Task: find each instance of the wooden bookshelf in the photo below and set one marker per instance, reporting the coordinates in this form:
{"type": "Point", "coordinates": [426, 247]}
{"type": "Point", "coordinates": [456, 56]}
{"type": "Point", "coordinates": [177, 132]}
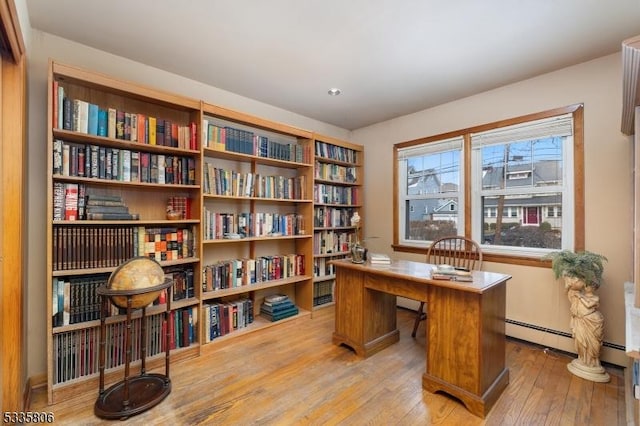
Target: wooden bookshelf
{"type": "Point", "coordinates": [99, 162]}
{"type": "Point", "coordinates": [251, 205]}
{"type": "Point", "coordinates": [257, 218]}
{"type": "Point", "coordinates": [338, 194]}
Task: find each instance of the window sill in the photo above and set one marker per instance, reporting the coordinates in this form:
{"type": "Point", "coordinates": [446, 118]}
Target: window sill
{"type": "Point", "coordinates": [535, 261]}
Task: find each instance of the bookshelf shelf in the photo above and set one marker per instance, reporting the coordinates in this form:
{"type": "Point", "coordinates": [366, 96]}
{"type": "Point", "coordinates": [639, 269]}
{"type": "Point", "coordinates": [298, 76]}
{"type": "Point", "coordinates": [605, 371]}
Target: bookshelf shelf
{"type": "Point", "coordinates": [336, 182]}
{"type": "Point", "coordinates": [334, 254]}
{"type": "Point", "coordinates": [257, 199]}
{"type": "Point", "coordinates": [208, 295]}
{"type": "Point", "coordinates": [94, 271]}
{"type": "Point", "coordinates": [335, 228]}
{"type": "Point", "coordinates": [84, 138]}
{"type": "Point", "coordinates": [338, 176]}
{"type": "Point", "coordinates": [330, 277]}
{"type": "Point", "coordinates": [226, 155]}
{"type": "Point", "coordinates": [126, 222]}
{"type": "Point", "coordinates": [257, 325]}
{"type": "Point", "coordinates": [355, 205]}
{"type": "Point", "coordinates": [254, 239]}
{"type": "Point", "coordinates": [115, 183]}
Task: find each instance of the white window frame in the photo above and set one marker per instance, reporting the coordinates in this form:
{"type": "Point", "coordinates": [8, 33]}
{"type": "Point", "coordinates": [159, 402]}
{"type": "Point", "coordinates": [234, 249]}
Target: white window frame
{"type": "Point", "coordinates": [531, 130]}
{"type": "Point", "coordinates": [436, 147]}
{"type": "Point", "coordinates": [572, 217]}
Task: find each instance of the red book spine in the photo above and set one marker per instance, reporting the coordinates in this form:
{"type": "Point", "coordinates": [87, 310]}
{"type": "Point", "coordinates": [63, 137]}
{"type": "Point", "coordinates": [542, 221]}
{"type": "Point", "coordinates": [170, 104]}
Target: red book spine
{"type": "Point", "coordinates": [193, 133]}
{"type": "Point", "coordinates": [172, 330]}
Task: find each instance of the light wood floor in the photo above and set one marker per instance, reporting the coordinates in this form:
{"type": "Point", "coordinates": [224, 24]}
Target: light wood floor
{"type": "Point", "coordinates": [293, 375]}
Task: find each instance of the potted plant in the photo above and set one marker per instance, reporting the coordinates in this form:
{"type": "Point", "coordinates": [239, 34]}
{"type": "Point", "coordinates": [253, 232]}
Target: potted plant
{"type": "Point", "coordinates": [582, 275]}
{"type": "Point", "coordinates": [584, 265]}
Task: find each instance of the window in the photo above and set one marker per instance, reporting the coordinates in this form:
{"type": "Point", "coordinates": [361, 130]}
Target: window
{"type": "Point", "coordinates": [430, 191]}
{"type": "Point", "coordinates": [520, 180]}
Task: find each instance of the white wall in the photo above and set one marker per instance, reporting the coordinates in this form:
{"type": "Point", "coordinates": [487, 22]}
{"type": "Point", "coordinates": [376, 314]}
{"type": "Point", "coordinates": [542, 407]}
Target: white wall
{"type": "Point", "coordinates": [533, 296]}
{"type": "Point", "coordinates": [44, 46]}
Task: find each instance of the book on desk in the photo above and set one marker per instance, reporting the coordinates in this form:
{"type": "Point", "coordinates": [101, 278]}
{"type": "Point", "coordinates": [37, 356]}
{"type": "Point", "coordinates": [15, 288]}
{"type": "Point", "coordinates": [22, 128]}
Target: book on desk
{"type": "Point", "coordinates": [379, 259]}
{"type": "Point", "coordinates": [450, 273]}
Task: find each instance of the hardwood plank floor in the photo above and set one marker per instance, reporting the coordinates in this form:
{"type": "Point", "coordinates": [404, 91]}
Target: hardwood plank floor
{"type": "Point", "coordinates": [293, 375]}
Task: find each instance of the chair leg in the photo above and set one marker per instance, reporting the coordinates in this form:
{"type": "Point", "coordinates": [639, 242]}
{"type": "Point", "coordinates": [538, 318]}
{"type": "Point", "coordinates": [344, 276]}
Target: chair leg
{"type": "Point", "coordinates": [419, 317]}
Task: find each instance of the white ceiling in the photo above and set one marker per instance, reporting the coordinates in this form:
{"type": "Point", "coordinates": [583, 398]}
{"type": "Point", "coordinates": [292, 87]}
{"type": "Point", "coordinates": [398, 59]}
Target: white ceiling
{"type": "Point", "coordinates": [389, 57]}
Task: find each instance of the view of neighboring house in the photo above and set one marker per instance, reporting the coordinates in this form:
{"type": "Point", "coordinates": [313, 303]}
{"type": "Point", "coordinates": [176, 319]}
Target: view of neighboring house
{"type": "Point", "coordinates": [522, 209]}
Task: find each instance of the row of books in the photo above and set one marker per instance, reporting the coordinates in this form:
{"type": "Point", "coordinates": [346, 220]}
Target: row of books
{"type": "Point", "coordinates": [234, 273]}
{"type": "Point", "coordinates": [331, 194]}
{"type": "Point", "coordinates": [277, 307]}
{"type": "Point", "coordinates": [85, 117]}
{"type": "Point", "coordinates": [77, 352]}
{"type": "Point", "coordinates": [335, 172]}
{"type": "Point", "coordinates": [332, 217]}
{"type": "Point", "coordinates": [227, 138]}
{"type": "Point", "coordinates": [69, 201]}
{"type": "Point", "coordinates": [75, 299]}
{"type": "Point", "coordinates": [322, 293]}
{"type": "Point", "coordinates": [333, 152]}
{"type": "Point", "coordinates": [322, 267]}
{"type": "Point", "coordinates": [246, 224]}
{"type": "Point", "coordinates": [222, 318]}
{"type": "Point", "coordinates": [79, 247]}
{"type": "Point", "coordinates": [183, 284]}
{"type": "Point", "coordinates": [231, 183]}
{"type": "Point", "coordinates": [330, 241]}
{"type": "Point", "coordinates": [124, 165]}
{"type": "Point", "coordinates": [183, 328]}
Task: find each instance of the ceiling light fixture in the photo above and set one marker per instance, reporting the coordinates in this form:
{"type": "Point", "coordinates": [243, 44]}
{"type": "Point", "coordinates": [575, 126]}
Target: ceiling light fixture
{"type": "Point", "coordinates": [334, 91]}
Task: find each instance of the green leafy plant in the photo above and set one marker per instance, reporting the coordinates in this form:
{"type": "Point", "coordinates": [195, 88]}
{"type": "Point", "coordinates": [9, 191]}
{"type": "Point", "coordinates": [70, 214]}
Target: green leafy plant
{"type": "Point", "coordinates": [584, 265]}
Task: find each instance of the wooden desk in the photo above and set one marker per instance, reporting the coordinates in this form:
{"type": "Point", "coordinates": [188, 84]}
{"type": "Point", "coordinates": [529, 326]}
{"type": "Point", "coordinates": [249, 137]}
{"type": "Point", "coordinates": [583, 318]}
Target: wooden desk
{"type": "Point", "coordinates": [465, 350]}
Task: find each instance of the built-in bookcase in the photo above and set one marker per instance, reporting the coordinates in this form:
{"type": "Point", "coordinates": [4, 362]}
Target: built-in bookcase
{"type": "Point", "coordinates": [257, 220]}
{"type": "Point", "coordinates": [337, 195]}
{"type": "Point", "coordinates": [232, 206]}
{"type": "Point", "coordinates": [119, 156]}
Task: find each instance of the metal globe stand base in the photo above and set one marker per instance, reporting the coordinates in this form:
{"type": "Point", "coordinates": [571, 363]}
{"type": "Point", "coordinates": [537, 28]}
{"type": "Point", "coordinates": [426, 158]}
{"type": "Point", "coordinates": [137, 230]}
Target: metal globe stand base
{"type": "Point", "coordinates": [145, 392]}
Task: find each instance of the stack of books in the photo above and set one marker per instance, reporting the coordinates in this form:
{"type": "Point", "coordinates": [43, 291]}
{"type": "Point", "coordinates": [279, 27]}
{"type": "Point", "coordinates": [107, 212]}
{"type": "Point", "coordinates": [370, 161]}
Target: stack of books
{"type": "Point", "coordinates": [448, 272]}
{"type": "Point", "coordinates": [278, 306]}
{"type": "Point", "coordinates": [107, 207]}
{"type": "Point", "coordinates": [379, 259]}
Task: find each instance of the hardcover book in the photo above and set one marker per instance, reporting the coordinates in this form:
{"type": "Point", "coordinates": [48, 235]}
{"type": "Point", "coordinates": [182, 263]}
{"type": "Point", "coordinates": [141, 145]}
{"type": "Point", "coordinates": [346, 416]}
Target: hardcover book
{"type": "Point", "coordinates": [448, 272]}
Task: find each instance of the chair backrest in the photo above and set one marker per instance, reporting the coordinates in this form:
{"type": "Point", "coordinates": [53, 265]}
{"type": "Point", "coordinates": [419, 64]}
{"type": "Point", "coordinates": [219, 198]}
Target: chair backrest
{"type": "Point", "coordinates": [457, 251]}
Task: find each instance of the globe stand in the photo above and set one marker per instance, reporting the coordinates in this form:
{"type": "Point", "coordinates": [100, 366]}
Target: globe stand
{"type": "Point", "coordinates": [133, 395]}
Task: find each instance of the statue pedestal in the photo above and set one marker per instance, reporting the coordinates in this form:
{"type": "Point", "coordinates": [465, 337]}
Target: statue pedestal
{"type": "Point", "coordinates": [595, 374]}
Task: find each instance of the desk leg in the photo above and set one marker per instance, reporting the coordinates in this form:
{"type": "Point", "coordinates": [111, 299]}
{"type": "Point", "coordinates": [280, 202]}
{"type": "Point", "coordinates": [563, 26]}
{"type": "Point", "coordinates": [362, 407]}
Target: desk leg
{"type": "Point", "coordinates": [466, 351]}
{"type": "Point", "coordinates": [365, 319]}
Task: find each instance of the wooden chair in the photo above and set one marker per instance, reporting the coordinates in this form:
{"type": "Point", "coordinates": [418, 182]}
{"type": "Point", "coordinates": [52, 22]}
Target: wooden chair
{"type": "Point", "coordinates": [457, 251]}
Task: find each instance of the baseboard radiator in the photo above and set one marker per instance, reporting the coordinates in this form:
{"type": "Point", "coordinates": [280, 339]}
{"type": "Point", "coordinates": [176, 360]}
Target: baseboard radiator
{"type": "Point", "coordinates": [559, 333]}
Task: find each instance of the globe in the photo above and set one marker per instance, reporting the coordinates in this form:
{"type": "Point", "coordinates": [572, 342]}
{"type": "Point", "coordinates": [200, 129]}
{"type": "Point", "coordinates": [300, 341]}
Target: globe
{"type": "Point", "coordinates": [137, 273]}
